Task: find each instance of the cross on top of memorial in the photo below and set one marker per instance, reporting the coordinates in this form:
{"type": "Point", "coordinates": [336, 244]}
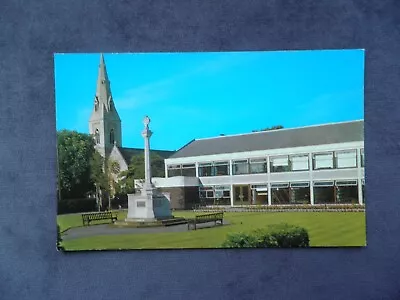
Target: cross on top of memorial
{"type": "Point", "coordinates": [146, 121]}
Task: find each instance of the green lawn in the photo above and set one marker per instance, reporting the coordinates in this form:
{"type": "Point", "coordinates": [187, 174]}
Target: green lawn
{"type": "Point", "coordinates": [325, 229]}
{"type": "Point", "coordinates": [75, 220]}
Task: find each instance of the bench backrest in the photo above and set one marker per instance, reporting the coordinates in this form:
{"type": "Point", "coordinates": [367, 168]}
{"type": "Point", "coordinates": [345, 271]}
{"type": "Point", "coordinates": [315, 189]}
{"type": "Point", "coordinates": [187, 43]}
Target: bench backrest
{"type": "Point", "coordinates": [98, 215]}
{"type": "Point", "coordinates": [211, 216]}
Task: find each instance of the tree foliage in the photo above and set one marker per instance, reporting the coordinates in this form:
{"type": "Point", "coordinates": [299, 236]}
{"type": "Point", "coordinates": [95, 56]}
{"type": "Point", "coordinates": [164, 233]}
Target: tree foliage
{"type": "Point", "coordinates": [97, 171]}
{"type": "Point", "coordinates": [75, 151]}
{"type": "Point", "coordinates": [136, 170]}
{"type": "Point", "coordinates": [269, 128]}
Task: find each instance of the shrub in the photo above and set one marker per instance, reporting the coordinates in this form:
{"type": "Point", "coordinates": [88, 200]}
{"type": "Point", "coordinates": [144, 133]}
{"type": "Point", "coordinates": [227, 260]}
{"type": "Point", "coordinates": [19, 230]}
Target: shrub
{"type": "Point", "coordinates": [287, 236]}
{"type": "Point", "coordinates": [240, 240]}
{"type": "Point", "coordinates": [273, 236]}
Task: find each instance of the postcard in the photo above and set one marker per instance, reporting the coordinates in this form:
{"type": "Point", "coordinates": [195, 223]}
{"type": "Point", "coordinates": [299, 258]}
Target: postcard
{"type": "Point", "coordinates": [261, 149]}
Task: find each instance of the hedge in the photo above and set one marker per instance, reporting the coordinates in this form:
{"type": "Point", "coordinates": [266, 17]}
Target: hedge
{"type": "Point", "coordinates": [69, 206]}
{"type": "Point", "coordinates": [273, 236]}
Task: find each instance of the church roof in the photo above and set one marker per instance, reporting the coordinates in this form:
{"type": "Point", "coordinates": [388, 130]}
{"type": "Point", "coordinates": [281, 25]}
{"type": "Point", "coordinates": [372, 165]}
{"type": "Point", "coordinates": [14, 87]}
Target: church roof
{"type": "Point", "coordinates": [275, 139]}
{"type": "Point", "coordinates": [127, 153]}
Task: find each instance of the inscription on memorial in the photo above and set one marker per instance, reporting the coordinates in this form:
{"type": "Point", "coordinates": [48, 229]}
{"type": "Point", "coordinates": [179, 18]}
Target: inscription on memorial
{"type": "Point", "coordinates": [141, 204]}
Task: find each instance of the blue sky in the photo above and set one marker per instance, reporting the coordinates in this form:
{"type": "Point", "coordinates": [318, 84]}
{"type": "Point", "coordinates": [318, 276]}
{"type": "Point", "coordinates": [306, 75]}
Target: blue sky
{"type": "Point", "coordinates": [199, 95]}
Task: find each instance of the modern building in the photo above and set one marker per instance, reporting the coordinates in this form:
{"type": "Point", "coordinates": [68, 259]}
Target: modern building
{"type": "Point", "coordinates": [321, 164]}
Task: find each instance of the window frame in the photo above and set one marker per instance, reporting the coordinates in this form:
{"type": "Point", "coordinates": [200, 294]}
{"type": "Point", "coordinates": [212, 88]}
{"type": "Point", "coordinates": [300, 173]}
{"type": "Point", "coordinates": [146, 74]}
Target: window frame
{"type": "Point", "coordinates": [345, 151]}
{"type": "Point", "coordinates": [258, 161]}
{"type": "Point", "coordinates": [323, 153]}
{"type": "Point", "coordinates": [271, 166]}
{"type": "Point", "coordinates": [299, 155]}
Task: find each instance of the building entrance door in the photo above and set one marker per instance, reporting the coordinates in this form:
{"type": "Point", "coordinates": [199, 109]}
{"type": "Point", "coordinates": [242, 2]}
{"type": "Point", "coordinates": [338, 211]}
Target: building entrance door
{"type": "Point", "coordinates": [242, 194]}
{"type": "Point", "coordinates": [259, 194]}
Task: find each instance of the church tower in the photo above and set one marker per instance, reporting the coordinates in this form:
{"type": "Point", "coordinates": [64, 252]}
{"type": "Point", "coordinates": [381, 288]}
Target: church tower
{"type": "Point", "coordinates": [104, 123]}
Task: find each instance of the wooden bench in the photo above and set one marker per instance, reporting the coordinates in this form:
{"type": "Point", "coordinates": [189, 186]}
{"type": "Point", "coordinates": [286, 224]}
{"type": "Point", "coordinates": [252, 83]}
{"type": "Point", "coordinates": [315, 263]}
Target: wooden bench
{"type": "Point", "coordinates": [212, 217]}
{"type": "Point", "coordinates": [88, 217]}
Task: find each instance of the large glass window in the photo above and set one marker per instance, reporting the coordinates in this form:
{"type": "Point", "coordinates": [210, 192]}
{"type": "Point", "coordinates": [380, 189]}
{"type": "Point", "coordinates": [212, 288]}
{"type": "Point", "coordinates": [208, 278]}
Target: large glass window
{"type": "Point", "coordinates": [214, 195]}
{"type": "Point", "coordinates": [189, 170]}
{"type": "Point", "coordinates": [258, 165]}
{"type": "Point", "coordinates": [362, 158]}
{"type": "Point", "coordinates": [299, 162]}
{"type": "Point", "coordinates": [324, 192]}
{"type": "Point", "coordinates": [205, 169]}
{"type": "Point", "coordinates": [214, 169]}
{"type": "Point", "coordinates": [300, 193]}
{"type": "Point", "coordinates": [222, 195]}
{"type": "Point", "coordinates": [221, 168]}
{"type": "Point", "coordinates": [240, 167]}
{"type": "Point", "coordinates": [279, 164]}
{"type": "Point", "coordinates": [346, 159]}
{"type": "Point", "coordinates": [280, 193]}
{"type": "Point", "coordinates": [174, 170]}
{"type": "Point", "coordinates": [346, 191]}
{"type": "Point", "coordinates": [323, 161]}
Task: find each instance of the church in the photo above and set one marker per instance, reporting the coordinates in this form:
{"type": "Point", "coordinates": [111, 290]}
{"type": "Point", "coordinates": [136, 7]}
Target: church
{"type": "Point", "coordinates": [105, 124]}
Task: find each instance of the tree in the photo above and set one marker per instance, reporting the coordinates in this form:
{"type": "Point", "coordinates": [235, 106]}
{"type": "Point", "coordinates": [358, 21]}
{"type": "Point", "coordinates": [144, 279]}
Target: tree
{"type": "Point", "coordinates": [112, 171]}
{"type": "Point", "coordinates": [136, 171]}
{"type": "Point", "coordinates": [99, 177]}
{"type": "Point", "coordinates": [269, 128]}
{"type": "Point", "coordinates": [157, 165]}
{"type": "Point", "coordinates": [75, 151]}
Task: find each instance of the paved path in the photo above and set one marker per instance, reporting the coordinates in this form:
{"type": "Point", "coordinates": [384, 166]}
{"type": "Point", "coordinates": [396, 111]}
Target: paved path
{"type": "Point", "coordinates": [108, 229]}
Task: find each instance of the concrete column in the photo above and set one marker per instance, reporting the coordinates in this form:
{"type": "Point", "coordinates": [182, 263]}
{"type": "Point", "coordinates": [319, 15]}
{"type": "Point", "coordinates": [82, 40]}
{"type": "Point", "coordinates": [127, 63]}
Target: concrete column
{"type": "Point", "coordinates": [232, 194]}
{"type": "Point", "coordinates": [230, 167]}
{"type": "Point", "coordinates": [269, 182]}
{"type": "Point", "coordinates": [146, 134]}
{"type": "Point", "coordinates": [359, 177]}
{"type": "Point", "coordinates": [310, 177]}
{"type": "Point", "coordinates": [311, 193]}
{"type": "Point", "coordinates": [269, 194]}
{"type": "Point", "coordinates": [197, 169]}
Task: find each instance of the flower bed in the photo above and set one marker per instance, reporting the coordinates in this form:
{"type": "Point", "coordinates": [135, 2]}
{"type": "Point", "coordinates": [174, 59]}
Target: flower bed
{"type": "Point", "coordinates": [285, 208]}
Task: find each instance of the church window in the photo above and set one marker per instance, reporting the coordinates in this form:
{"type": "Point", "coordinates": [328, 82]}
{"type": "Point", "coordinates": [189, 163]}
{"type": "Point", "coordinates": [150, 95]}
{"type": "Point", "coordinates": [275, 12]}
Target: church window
{"type": "Point", "coordinates": [97, 136]}
{"type": "Point", "coordinates": [96, 104]}
{"type": "Point", "coordinates": [112, 136]}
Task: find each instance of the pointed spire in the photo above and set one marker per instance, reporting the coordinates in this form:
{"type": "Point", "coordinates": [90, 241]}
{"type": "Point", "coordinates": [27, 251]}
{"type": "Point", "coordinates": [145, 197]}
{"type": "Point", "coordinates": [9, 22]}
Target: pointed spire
{"type": "Point", "coordinates": [103, 91]}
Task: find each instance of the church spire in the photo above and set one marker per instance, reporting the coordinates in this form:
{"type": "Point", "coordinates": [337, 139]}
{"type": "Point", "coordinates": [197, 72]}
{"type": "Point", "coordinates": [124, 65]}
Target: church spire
{"type": "Point", "coordinates": [104, 123]}
{"type": "Point", "coordinates": [103, 90]}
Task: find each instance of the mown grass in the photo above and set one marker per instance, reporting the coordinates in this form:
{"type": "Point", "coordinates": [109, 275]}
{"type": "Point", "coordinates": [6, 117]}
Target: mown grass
{"type": "Point", "coordinates": [75, 220]}
{"type": "Point", "coordinates": [326, 229]}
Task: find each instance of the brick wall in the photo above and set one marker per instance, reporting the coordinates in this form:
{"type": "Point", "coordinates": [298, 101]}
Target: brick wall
{"type": "Point", "coordinates": [182, 197]}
